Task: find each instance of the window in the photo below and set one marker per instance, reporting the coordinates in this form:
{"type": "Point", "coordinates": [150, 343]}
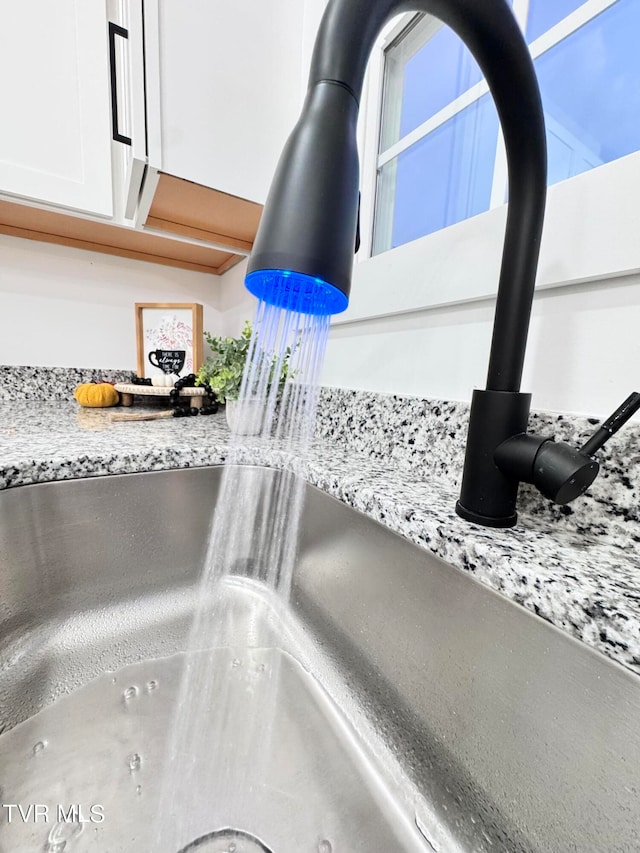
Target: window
{"type": "Point", "coordinates": [441, 157]}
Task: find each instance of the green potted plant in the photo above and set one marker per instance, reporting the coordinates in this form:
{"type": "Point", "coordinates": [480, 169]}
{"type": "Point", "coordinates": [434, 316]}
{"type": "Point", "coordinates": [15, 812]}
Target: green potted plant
{"type": "Point", "coordinates": [222, 372]}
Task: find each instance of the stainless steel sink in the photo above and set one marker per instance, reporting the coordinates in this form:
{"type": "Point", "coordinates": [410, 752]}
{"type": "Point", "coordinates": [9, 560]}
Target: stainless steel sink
{"type": "Point", "coordinates": [417, 709]}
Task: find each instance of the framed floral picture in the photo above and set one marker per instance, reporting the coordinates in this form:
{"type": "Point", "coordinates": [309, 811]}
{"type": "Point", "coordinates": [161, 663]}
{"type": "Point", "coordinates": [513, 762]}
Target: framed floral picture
{"type": "Point", "coordinates": [169, 337]}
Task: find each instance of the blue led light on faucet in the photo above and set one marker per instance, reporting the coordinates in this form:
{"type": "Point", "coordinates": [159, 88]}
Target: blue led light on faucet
{"type": "Point", "coordinates": [296, 291]}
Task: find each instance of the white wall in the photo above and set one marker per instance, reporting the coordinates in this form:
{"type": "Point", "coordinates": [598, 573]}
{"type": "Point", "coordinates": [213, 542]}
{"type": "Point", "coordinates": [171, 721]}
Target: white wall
{"type": "Point", "coordinates": [236, 303]}
{"type": "Point", "coordinates": [71, 308]}
{"type": "Point", "coordinates": [583, 354]}
{"type": "Point", "coordinates": [312, 15]}
{"type": "Point", "coordinates": [64, 307]}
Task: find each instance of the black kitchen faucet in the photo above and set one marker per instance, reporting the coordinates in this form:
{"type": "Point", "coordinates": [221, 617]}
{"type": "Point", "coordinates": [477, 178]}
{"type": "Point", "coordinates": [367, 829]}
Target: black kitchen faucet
{"type": "Point", "coordinates": [303, 253]}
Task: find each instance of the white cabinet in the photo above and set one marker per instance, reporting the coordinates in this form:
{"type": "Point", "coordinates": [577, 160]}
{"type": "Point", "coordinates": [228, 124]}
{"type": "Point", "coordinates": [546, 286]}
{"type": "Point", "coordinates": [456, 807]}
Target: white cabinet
{"type": "Point", "coordinates": [128, 104]}
{"type": "Point", "coordinates": [99, 98]}
{"type": "Point", "coordinates": [55, 145]}
{"type": "Point", "coordinates": [231, 89]}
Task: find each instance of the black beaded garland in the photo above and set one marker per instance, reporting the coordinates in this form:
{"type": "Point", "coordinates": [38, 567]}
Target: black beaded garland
{"type": "Point", "coordinates": [211, 409]}
{"type": "Point", "coordinates": [182, 409]}
{"type": "Point", "coordinates": [140, 380]}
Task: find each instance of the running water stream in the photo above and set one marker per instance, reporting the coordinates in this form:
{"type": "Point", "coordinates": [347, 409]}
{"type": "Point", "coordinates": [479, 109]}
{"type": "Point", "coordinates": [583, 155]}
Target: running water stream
{"type": "Point", "coordinates": [233, 744]}
{"type": "Point", "coordinates": [221, 741]}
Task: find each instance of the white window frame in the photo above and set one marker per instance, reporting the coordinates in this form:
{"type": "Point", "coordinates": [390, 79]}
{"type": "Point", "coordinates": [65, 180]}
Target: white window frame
{"type": "Point", "coordinates": [591, 223]}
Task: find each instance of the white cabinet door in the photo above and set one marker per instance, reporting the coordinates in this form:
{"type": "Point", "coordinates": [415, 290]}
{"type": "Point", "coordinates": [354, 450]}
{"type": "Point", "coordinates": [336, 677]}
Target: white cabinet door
{"type": "Point", "coordinates": [55, 114]}
{"type": "Point", "coordinates": [231, 89]}
{"type": "Point", "coordinates": [129, 146]}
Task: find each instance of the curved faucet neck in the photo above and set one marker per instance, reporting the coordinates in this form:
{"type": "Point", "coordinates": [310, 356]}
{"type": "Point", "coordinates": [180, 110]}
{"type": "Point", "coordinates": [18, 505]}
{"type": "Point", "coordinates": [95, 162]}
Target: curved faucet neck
{"type": "Point", "coordinates": [345, 40]}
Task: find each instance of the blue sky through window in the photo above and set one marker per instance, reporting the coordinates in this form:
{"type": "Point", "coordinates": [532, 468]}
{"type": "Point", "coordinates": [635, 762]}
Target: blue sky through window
{"type": "Point", "coordinates": [590, 85]}
{"type": "Point", "coordinates": [435, 76]}
{"type": "Point", "coordinates": [544, 14]}
{"type": "Point", "coordinates": [447, 175]}
{"type": "Point", "coordinates": [440, 71]}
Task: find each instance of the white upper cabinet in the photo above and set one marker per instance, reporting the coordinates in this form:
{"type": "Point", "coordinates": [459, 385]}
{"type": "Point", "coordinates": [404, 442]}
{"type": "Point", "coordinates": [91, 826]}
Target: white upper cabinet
{"type": "Point", "coordinates": [55, 112]}
{"type": "Point", "coordinates": [99, 97]}
{"type": "Point", "coordinates": [128, 104]}
{"type": "Point", "coordinates": [231, 89]}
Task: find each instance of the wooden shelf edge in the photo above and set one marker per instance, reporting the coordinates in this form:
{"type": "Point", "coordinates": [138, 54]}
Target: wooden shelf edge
{"type": "Point", "coordinates": [233, 260]}
{"type": "Point", "coordinates": [224, 240]}
{"type": "Point", "coordinates": [191, 227]}
{"type": "Point", "coordinates": [105, 249]}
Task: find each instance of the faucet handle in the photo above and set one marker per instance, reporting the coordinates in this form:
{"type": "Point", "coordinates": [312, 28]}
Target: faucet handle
{"type": "Point", "coordinates": [612, 424]}
{"type": "Point", "coordinates": [560, 472]}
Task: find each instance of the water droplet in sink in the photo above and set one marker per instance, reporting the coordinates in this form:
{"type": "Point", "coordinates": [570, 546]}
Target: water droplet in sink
{"type": "Point", "coordinates": [325, 846]}
{"type": "Point", "coordinates": [139, 790]}
{"type": "Point", "coordinates": [61, 834]}
{"type": "Point", "coordinates": [232, 847]}
{"type": "Point", "coordinates": [38, 747]}
{"type": "Point", "coordinates": [235, 663]}
{"type": "Point", "coordinates": [150, 686]}
{"type": "Point", "coordinates": [134, 762]}
{"type": "Point", "coordinates": [261, 667]}
{"type": "Point", "coordinates": [130, 693]}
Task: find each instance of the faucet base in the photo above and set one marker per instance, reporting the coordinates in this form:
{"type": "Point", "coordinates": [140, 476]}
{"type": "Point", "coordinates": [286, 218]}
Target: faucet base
{"type": "Point", "coordinates": [486, 520]}
{"type": "Point", "coordinates": [488, 495]}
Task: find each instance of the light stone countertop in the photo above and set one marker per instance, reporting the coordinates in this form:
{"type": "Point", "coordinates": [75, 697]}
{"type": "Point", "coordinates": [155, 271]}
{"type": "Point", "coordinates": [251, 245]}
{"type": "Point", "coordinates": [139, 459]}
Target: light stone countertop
{"type": "Point", "coordinates": [584, 583]}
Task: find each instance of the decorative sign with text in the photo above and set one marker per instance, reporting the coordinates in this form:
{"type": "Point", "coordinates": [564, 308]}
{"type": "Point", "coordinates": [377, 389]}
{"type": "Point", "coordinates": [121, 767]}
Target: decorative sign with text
{"type": "Point", "coordinates": [169, 338]}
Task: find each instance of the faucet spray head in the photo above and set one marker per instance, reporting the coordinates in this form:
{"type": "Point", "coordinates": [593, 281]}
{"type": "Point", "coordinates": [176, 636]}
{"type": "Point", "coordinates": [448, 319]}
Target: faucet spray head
{"type": "Point", "coordinates": [296, 291]}
{"type": "Point", "coordinates": [303, 253]}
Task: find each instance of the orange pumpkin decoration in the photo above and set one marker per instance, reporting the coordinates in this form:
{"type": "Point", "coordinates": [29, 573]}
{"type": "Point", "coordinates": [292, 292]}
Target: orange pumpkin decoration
{"type": "Point", "coordinates": [96, 395]}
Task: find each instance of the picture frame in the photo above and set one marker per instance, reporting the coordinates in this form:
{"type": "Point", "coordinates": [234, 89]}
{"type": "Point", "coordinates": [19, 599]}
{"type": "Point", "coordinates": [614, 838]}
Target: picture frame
{"type": "Point", "coordinates": [168, 338]}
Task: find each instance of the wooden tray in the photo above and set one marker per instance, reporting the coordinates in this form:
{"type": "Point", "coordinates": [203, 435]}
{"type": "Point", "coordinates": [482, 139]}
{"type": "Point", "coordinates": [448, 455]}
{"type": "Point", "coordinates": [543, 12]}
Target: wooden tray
{"type": "Point", "coordinates": [127, 392]}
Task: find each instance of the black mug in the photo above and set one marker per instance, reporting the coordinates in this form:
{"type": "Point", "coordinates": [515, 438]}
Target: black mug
{"type": "Point", "coordinates": [168, 360]}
